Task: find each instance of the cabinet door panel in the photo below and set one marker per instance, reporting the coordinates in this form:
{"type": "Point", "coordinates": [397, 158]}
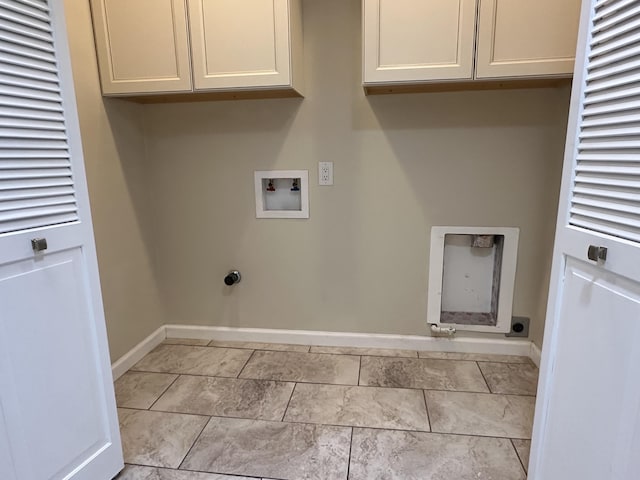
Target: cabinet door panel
{"type": "Point", "coordinates": [519, 38]}
{"type": "Point", "coordinates": [142, 45]}
{"type": "Point", "coordinates": [240, 43]}
{"type": "Point", "coordinates": [408, 41]}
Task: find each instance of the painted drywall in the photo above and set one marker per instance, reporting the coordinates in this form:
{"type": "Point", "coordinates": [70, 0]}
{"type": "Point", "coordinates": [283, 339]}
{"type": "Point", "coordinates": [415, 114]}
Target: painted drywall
{"type": "Point", "coordinates": [403, 164]}
{"type": "Point", "coordinates": [114, 152]}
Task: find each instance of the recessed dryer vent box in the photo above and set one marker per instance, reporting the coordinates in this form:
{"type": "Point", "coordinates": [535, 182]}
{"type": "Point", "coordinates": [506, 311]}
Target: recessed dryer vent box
{"type": "Point", "coordinates": [471, 278]}
{"type": "Point", "coordinates": [282, 193]}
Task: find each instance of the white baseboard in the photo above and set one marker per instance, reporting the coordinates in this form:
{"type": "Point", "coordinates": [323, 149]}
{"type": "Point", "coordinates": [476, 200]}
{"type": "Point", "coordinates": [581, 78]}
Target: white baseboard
{"type": "Point", "coordinates": [335, 339]}
{"type": "Point", "coordinates": [342, 339]}
{"type": "Point", "coordinates": [134, 355]}
{"type": "Point", "coordinates": [535, 354]}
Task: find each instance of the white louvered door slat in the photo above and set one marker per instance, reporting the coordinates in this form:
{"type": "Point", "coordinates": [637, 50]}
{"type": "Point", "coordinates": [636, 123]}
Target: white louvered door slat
{"type": "Point", "coordinates": [33, 138]}
{"type": "Point", "coordinates": [606, 8]}
{"type": "Point", "coordinates": [608, 146]}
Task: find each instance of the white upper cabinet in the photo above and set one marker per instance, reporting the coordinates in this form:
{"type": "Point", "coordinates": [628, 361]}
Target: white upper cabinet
{"type": "Point", "coordinates": [413, 42]}
{"type": "Point", "coordinates": [242, 43]}
{"type": "Point", "coordinates": [182, 46]}
{"type": "Point", "coordinates": [142, 45]}
{"type": "Point", "coordinates": [410, 41]}
{"type": "Point", "coordinates": [523, 38]}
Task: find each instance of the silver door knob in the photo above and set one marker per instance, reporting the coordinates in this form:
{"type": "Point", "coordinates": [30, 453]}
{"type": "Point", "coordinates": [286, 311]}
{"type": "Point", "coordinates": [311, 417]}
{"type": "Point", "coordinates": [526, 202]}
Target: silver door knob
{"type": "Point", "coordinates": [596, 253]}
{"type": "Point", "coordinates": [38, 244]}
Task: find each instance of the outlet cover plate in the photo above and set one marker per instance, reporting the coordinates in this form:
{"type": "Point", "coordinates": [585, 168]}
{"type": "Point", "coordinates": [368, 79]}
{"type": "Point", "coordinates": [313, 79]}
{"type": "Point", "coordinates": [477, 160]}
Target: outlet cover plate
{"type": "Point", "coordinates": [325, 173]}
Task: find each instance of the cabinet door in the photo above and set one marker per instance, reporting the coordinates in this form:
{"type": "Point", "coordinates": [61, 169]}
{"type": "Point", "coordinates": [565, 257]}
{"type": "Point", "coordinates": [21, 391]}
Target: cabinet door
{"type": "Point", "coordinates": [519, 38]}
{"type": "Point", "coordinates": [142, 46]}
{"type": "Point", "coordinates": [240, 44]}
{"type": "Point", "coordinates": [407, 41]}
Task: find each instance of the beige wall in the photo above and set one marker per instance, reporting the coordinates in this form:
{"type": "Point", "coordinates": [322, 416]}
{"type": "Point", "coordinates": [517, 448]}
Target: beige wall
{"type": "Point", "coordinates": [402, 164]}
{"type": "Point", "coordinates": [114, 153]}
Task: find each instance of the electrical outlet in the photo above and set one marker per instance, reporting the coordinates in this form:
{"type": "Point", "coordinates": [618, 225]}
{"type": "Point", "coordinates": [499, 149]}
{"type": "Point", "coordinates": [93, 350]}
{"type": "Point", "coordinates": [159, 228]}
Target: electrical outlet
{"type": "Point", "coordinates": [325, 173]}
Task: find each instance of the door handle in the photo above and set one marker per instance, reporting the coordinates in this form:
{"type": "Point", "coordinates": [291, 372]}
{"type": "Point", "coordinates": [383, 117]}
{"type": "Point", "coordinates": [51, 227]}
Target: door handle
{"type": "Point", "coordinates": [39, 244]}
{"type": "Point", "coordinates": [595, 253]}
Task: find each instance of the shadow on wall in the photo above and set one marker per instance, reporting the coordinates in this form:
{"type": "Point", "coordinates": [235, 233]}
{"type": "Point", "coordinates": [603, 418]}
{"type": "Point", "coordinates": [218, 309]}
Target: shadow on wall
{"type": "Point", "coordinates": [252, 116]}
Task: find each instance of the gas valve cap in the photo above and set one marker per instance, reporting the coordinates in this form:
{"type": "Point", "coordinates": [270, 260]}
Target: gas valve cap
{"type": "Point", "coordinates": [232, 278]}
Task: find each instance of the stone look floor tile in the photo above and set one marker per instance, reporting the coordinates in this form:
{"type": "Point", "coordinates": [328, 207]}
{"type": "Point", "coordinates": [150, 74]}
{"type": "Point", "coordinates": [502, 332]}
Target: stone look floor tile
{"type": "Point", "coordinates": [223, 362]}
{"type": "Point", "coordinates": [510, 378]}
{"type": "Point", "coordinates": [271, 449]}
{"type": "Point", "coordinates": [476, 357]}
{"type": "Point", "coordinates": [140, 390]}
{"type": "Point", "coordinates": [157, 439]}
{"type": "Point", "coordinates": [303, 367]}
{"type": "Point", "coordinates": [422, 373]}
{"type": "Point", "coordinates": [481, 414]}
{"type": "Point", "coordinates": [277, 347]}
{"type": "Point", "coordinates": [196, 342]}
{"type": "Point", "coordinates": [376, 352]}
{"type": "Point", "coordinates": [227, 397]}
{"type": "Point", "coordinates": [136, 472]}
{"type": "Point", "coordinates": [523, 448]}
{"type": "Point", "coordinates": [386, 454]}
{"type": "Point", "coordinates": [358, 406]}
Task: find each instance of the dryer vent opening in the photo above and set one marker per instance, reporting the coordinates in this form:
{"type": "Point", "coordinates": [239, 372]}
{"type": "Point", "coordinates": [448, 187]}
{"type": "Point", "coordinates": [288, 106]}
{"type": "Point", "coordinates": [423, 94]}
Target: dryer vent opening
{"type": "Point", "coordinates": [471, 279]}
{"type": "Point", "coordinates": [472, 272]}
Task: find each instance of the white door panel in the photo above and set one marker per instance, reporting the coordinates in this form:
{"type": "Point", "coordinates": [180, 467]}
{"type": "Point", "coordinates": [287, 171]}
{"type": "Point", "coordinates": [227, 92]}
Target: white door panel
{"type": "Point", "coordinates": [52, 386]}
{"type": "Point", "coordinates": [591, 414]}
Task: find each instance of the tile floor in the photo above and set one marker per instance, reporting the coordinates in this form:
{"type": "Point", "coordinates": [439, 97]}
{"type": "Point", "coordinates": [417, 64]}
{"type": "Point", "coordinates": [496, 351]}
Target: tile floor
{"type": "Point", "coordinates": [198, 410]}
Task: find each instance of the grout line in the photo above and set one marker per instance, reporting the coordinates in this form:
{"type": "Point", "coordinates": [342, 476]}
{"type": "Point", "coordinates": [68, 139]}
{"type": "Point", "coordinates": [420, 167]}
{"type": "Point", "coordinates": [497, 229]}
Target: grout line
{"type": "Point", "coordinates": [245, 364]}
{"type": "Point", "coordinates": [339, 384]}
{"type": "Point", "coordinates": [289, 402]}
{"type": "Point", "coordinates": [195, 441]}
{"type": "Point", "coordinates": [484, 378]}
{"type": "Point", "coordinates": [164, 391]}
{"type": "Point", "coordinates": [518, 455]}
{"type": "Point", "coordinates": [349, 459]}
{"type": "Point", "coordinates": [293, 422]}
{"type": "Point", "coordinates": [309, 347]}
{"type": "Point", "coordinates": [232, 475]}
{"type": "Point", "coordinates": [238, 347]}
{"type": "Point", "coordinates": [173, 413]}
{"type": "Point", "coordinates": [426, 406]}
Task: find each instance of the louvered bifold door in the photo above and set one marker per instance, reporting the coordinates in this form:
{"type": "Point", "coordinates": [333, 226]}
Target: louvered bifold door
{"type": "Point", "coordinates": [606, 190]}
{"type": "Point", "coordinates": [36, 184]}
